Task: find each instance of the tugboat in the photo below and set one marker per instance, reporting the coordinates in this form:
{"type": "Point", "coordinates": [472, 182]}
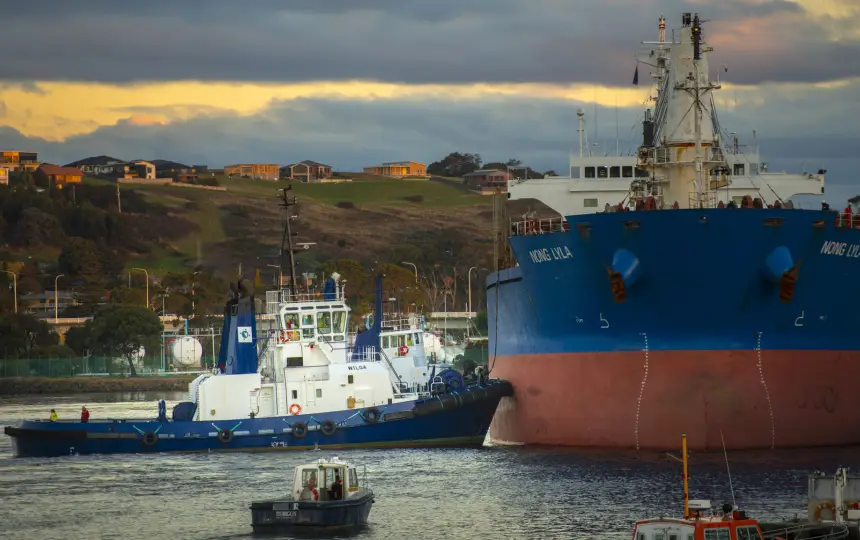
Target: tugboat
{"type": "Point", "coordinates": [326, 495]}
{"type": "Point", "coordinates": [696, 524]}
{"type": "Point", "coordinates": [312, 390]}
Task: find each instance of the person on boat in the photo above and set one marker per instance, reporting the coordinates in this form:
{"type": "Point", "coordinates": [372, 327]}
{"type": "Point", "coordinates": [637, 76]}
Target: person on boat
{"type": "Point", "coordinates": [54, 416]}
{"type": "Point", "coordinates": [85, 415]}
{"type": "Point", "coordinates": [310, 493]}
{"type": "Point", "coordinates": [337, 487]}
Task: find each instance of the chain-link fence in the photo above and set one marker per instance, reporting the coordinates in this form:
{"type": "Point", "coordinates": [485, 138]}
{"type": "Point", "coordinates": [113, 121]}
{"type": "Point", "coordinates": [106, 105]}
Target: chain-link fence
{"type": "Point", "coordinates": [96, 366]}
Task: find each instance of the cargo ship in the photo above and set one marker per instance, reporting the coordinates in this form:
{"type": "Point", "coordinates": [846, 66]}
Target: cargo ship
{"type": "Point", "coordinates": [679, 290]}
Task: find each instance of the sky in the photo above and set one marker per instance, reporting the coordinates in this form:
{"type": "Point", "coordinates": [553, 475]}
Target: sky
{"type": "Point", "coordinates": [354, 82]}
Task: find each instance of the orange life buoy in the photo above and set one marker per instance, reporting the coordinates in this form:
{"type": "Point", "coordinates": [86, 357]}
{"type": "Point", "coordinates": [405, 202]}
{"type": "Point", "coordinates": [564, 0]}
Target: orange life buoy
{"type": "Point", "coordinates": [295, 409]}
{"type": "Point", "coordinates": [825, 506]}
{"type": "Point", "coordinates": [403, 350]}
{"type": "Point", "coordinates": [285, 336]}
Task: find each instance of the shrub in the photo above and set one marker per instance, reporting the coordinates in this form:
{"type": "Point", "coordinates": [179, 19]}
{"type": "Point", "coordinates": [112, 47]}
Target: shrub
{"type": "Point", "coordinates": [414, 198]}
{"type": "Point", "coordinates": [346, 205]}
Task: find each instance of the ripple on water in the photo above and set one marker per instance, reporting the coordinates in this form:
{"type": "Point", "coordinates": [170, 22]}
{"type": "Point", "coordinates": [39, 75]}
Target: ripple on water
{"type": "Point", "coordinates": [499, 493]}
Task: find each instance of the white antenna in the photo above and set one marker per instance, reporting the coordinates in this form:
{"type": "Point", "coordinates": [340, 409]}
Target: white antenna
{"type": "Point", "coordinates": [617, 151]}
{"type": "Point", "coordinates": [728, 471]}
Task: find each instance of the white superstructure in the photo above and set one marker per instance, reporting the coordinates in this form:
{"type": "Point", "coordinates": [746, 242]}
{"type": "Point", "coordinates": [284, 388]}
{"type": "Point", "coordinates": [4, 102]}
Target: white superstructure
{"type": "Point", "coordinates": [686, 157]}
{"type": "Point", "coordinates": [309, 368]}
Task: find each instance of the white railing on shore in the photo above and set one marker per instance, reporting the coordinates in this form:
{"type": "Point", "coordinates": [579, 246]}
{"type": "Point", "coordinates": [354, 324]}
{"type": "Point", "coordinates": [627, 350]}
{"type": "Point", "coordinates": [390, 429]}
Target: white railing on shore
{"type": "Point", "coordinates": [529, 227]}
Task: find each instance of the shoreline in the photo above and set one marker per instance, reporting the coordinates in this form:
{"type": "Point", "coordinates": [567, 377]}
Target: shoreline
{"type": "Point", "coordinates": [19, 386]}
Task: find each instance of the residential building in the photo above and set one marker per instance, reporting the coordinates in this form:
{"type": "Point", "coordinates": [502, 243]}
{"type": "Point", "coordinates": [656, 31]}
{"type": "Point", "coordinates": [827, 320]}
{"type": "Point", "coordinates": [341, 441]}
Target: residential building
{"type": "Point", "coordinates": [487, 180]}
{"type": "Point", "coordinates": [306, 171]}
{"type": "Point", "coordinates": [53, 175]}
{"type": "Point", "coordinates": [398, 169]}
{"type": "Point", "coordinates": [4, 176]}
{"type": "Point", "coordinates": [257, 171]}
{"type": "Point", "coordinates": [17, 160]}
{"type": "Point", "coordinates": [42, 304]}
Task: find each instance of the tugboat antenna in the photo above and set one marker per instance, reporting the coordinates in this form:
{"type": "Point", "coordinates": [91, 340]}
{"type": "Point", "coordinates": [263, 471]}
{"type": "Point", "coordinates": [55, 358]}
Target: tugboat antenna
{"type": "Point", "coordinates": [728, 471]}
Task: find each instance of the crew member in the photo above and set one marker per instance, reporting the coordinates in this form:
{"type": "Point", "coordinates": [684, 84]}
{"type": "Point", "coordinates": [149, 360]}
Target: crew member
{"type": "Point", "coordinates": [337, 487]}
{"type": "Point", "coordinates": [54, 416]}
{"type": "Point", "coordinates": [85, 415]}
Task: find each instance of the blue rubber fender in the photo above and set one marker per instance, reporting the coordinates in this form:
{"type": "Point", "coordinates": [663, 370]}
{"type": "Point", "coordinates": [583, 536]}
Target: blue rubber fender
{"type": "Point", "coordinates": [777, 263]}
{"type": "Point", "coordinates": [628, 267]}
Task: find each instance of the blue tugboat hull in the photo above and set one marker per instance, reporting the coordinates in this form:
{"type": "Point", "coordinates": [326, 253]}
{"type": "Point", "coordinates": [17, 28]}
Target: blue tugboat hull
{"type": "Point", "coordinates": [290, 515]}
{"type": "Point", "coordinates": [455, 419]}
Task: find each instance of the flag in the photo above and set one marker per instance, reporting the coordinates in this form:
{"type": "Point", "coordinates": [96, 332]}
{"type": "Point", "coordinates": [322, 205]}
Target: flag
{"type": "Point", "coordinates": [636, 75]}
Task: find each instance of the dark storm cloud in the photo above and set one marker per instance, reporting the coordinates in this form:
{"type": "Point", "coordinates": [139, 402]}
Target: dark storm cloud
{"type": "Point", "coordinates": [408, 41]}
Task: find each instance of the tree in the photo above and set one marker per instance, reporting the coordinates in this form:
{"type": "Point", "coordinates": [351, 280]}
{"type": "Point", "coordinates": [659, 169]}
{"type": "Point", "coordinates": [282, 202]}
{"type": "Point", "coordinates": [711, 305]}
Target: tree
{"type": "Point", "coordinates": [81, 259]}
{"type": "Point", "coordinates": [455, 164]}
{"type": "Point", "coordinates": [21, 334]}
{"type": "Point", "coordinates": [121, 330]}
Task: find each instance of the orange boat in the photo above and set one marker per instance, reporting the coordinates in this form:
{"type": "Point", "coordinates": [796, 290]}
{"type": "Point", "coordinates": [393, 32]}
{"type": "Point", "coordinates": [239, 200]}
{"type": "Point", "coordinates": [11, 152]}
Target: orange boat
{"type": "Point", "coordinates": [699, 521]}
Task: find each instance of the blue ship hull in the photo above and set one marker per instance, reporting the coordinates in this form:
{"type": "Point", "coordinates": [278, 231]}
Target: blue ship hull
{"type": "Point", "coordinates": [734, 321]}
{"type": "Point", "coordinates": [455, 419]}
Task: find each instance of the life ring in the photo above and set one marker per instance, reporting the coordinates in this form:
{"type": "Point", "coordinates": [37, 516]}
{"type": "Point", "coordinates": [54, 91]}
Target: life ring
{"type": "Point", "coordinates": [149, 439]}
{"type": "Point", "coordinates": [825, 506]}
{"type": "Point", "coordinates": [225, 436]}
{"type": "Point", "coordinates": [285, 336]}
{"type": "Point", "coordinates": [372, 415]}
{"type": "Point", "coordinates": [328, 428]}
{"type": "Point", "coordinates": [300, 429]}
{"type": "Point", "coordinates": [403, 350]}
{"type": "Point", "coordinates": [295, 409]}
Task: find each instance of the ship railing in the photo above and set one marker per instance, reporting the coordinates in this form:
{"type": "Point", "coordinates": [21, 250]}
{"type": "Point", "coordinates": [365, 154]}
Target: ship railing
{"type": "Point", "coordinates": [274, 299]}
{"type": "Point", "coordinates": [847, 220]}
{"type": "Point", "coordinates": [810, 531]}
{"type": "Point", "coordinates": [389, 325]}
{"type": "Point", "coordinates": [531, 227]}
{"type": "Point", "coordinates": [707, 199]}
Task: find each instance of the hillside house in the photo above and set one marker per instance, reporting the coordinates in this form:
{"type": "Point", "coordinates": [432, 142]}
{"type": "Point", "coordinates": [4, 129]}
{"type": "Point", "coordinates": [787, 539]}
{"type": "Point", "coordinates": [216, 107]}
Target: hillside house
{"type": "Point", "coordinates": [257, 171]}
{"type": "Point", "coordinates": [306, 171]}
{"type": "Point", "coordinates": [16, 160]}
{"type": "Point", "coordinates": [487, 180]}
{"type": "Point", "coordinates": [4, 176]}
{"type": "Point", "coordinates": [398, 169]}
{"type": "Point", "coordinates": [53, 175]}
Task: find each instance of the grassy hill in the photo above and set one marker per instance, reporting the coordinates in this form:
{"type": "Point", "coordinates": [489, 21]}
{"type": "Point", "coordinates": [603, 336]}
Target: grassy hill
{"type": "Point", "coordinates": [371, 219]}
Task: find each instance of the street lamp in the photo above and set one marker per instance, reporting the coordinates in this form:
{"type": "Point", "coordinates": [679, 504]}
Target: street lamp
{"type": "Point", "coordinates": [147, 284]}
{"type": "Point", "coordinates": [469, 275]}
{"type": "Point", "coordinates": [56, 309]}
{"type": "Point", "coordinates": [193, 309]}
{"type": "Point", "coordinates": [14, 287]}
{"type": "Point", "coordinates": [413, 266]}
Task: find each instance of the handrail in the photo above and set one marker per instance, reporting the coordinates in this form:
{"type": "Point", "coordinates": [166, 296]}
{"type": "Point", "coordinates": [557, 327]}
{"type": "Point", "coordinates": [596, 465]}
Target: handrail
{"type": "Point", "coordinates": [530, 227]}
{"type": "Point", "coordinates": [838, 531]}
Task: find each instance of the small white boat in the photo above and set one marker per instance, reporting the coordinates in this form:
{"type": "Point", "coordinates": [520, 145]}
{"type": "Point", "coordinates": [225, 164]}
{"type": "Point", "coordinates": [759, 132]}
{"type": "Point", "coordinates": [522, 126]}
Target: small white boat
{"type": "Point", "coordinates": [325, 494]}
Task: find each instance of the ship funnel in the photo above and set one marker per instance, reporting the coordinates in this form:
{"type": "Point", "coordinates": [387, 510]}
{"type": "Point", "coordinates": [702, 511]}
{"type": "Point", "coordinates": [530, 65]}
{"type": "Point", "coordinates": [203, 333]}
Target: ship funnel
{"type": "Point", "coordinates": [238, 353]}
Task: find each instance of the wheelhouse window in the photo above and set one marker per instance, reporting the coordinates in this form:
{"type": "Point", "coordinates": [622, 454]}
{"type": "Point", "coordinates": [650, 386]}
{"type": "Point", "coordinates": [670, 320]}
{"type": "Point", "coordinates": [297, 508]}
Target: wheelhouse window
{"type": "Point", "coordinates": [615, 172]}
{"type": "Point", "coordinates": [385, 342]}
{"type": "Point", "coordinates": [291, 320]}
{"type": "Point", "coordinates": [721, 533]}
{"type": "Point", "coordinates": [353, 480]}
{"type": "Point", "coordinates": [739, 169]}
{"type": "Point", "coordinates": [307, 320]}
{"type": "Point", "coordinates": [589, 203]}
{"type": "Point", "coordinates": [574, 172]}
{"type": "Point", "coordinates": [627, 171]}
{"type": "Point", "coordinates": [748, 533]}
{"type": "Point", "coordinates": [602, 172]}
{"type": "Point", "coordinates": [590, 172]}
{"type": "Point", "coordinates": [324, 322]}
{"type": "Point", "coordinates": [641, 173]}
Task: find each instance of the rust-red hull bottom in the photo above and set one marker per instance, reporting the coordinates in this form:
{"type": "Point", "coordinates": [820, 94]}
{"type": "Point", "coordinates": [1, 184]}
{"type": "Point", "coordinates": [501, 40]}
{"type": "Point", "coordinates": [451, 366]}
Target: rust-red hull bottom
{"type": "Point", "coordinates": [756, 399]}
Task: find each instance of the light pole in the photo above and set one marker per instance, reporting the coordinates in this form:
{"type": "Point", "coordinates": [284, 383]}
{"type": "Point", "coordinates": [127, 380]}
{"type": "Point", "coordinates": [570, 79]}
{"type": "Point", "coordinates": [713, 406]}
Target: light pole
{"type": "Point", "coordinates": [56, 307]}
{"type": "Point", "coordinates": [413, 266]}
{"type": "Point", "coordinates": [145, 273]}
{"type": "Point", "coordinates": [14, 287]}
{"type": "Point", "coordinates": [193, 310]}
{"type": "Point", "coordinates": [469, 319]}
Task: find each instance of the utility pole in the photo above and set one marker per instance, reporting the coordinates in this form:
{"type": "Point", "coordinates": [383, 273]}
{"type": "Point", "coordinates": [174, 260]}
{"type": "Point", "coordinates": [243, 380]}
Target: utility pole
{"type": "Point", "coordinates": [118, 199]}
{"type": "Point", "coordinates": [287, 238]}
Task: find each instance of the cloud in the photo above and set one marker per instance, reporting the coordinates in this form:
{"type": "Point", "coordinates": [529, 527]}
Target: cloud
{"type": "Point", "coordinates": [350, 134]}
{"type": "Point", "coordinates": [410, 42]}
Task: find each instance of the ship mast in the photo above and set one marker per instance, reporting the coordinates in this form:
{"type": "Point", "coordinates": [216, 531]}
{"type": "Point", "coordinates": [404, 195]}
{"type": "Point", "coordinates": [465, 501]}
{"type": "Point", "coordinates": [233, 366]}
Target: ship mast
{"type": "Point", "coordinates": [287, 238]}
{"type": "Point", "coordinates": [697, 103]}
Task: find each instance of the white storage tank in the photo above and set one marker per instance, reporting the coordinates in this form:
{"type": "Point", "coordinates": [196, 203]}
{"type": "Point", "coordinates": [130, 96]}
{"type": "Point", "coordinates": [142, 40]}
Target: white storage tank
{"type": "Point", "coordinates": [186, 351]}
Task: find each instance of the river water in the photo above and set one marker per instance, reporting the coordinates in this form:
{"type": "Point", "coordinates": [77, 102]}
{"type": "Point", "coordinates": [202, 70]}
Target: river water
{"type": "Point", "coordinates": [493, 492]}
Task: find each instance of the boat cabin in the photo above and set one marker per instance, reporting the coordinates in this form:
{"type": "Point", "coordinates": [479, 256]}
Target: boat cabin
{"type": "Point", "coordinates": [331, 480]}
{"type": "Point", "coordinates": [728, 525]}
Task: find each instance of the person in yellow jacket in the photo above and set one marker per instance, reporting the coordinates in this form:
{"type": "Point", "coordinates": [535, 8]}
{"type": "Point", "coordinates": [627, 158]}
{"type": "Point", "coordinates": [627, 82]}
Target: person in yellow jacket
{"type": "Point", "coordinates": [54, 416]}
